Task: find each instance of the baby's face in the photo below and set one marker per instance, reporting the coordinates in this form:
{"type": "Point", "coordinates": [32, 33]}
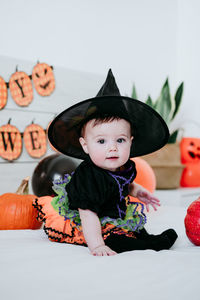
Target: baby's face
{"type": "Point", "coordinates": [108, 144]}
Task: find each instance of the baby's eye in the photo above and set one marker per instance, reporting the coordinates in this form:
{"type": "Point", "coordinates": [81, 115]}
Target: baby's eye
{"type": "Point", "coordinates": [102, 141]}
{"type": "Point", "coordinates": [120, 140]}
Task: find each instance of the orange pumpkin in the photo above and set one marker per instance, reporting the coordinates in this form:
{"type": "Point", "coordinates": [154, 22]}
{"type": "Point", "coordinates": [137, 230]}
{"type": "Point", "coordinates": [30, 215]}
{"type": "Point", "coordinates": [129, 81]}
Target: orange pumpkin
{"type": "Point", "coordinates": [35, 140]}
{"type": "Point", "coordinates": [145, 175]}
{"type": "Point", "coordinates": [43, 79]}
{"type": "Point", "coordinates": [21, 88]}
{"type": "Point", "coordinates": [17, 211]}
{"type": "Point", "coordinates": [10, 142]}
{"type": "Point", "coordinates": [3, 93]}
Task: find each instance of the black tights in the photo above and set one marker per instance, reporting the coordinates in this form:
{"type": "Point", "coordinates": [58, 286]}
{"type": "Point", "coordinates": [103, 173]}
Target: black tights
{"type": "Point", "coordinates": [143, 241]}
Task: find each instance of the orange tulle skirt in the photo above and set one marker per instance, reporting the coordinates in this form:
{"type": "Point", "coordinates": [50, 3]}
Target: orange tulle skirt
{"type": "Point", "coordinates": [59, 229]}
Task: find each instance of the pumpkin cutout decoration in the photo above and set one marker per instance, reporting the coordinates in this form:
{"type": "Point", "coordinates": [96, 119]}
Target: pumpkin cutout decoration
{"type": "Point", "coordinates": [192, 222]}
{"type": "Point", "coordinates": [21, 88]}
{"type": "Point", "coordinates": [35, 140]}
{"type": "Point", "coordinates": [145, 175]}
{"type": "Point", "coordinates": [43, 79]}
{"type": "Point", "coordinates": [3, 93]}
{"type": "Point", "coordinates": [10, 142]}
{"type": "Point", "coordinates": [190, 156]}
{"type": "Point", "coordinates": [17, 211]}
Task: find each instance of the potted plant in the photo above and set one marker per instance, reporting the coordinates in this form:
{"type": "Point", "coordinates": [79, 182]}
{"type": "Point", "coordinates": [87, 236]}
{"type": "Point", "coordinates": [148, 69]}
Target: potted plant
{"type": "Point", "coordinates": [166, 162]}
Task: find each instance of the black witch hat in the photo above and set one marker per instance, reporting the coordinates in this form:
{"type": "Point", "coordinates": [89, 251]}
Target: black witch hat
{"type": "Point", "coordinates": [148, 128]}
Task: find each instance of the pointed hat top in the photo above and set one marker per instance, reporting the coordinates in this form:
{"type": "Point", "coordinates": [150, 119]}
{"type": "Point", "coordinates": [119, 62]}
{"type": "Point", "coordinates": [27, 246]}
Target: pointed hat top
{"type": "Point", "coordinates": [109, 87]}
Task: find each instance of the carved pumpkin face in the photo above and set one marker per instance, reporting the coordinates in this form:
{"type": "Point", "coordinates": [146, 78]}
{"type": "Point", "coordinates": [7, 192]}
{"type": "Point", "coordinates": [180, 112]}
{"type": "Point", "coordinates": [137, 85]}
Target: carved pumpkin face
{"type": "Point", "coordinates": [43, 79]}
{"type": "Point", "coordinates": [21, 88]}
{"type": "Point", "coordinates": [190, 150]}
{"type": "Point", "coordinates": [3, 93]}
{"type": "Point", "coordinates": [35, 140]}
{"type": "Point", "coordinates": [10, 142]}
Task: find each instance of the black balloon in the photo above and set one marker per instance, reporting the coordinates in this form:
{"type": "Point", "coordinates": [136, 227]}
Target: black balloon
{"type": "Point", "coordinates": [49, 169]}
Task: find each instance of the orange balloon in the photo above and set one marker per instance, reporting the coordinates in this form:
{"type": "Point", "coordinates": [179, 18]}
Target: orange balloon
{"type": "Point", "coordinates": [145, 175]}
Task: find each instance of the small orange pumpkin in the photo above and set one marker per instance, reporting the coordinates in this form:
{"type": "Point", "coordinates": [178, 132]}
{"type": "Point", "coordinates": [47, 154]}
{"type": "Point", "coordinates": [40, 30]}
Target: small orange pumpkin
{"type": "Point", "coordinates": [43, 79]}
{"type": "Point", "coordinates": [21, 88]}
{"type": "Point", "coordinates": [145, 175]}
{"type": "Point", "coordinates": [17, 211]}
{"type": "Point", "coordinates": [10, 142]}
{"type": "Point", "coordinates": [35, 140]}
{"type": "Point", "coordinates": [3, 93]}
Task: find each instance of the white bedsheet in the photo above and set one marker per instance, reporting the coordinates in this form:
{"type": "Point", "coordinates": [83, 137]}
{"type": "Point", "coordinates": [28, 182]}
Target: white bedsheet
{"type": "Point", "coordinates": [32, 267]}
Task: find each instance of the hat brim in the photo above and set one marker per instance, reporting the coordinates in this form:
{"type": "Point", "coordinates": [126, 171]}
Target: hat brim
{"type": "Point", "coordinates": [149, 129]}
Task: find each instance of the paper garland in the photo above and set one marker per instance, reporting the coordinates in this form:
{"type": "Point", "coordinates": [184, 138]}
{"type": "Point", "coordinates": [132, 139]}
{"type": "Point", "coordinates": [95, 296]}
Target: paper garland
{"type": "Point", "coordinates": [21, 86]}
{"type": "Point", "coordinates": [10, 142]}
{"type": "Point", "coordinates": [35, 141]}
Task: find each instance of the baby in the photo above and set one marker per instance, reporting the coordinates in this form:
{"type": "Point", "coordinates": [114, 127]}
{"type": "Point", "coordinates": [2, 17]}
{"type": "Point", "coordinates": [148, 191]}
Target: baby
{"type": "Point", "coordinates": [93, 207]}
{"type": "Point", "coordinates": [108, 145]}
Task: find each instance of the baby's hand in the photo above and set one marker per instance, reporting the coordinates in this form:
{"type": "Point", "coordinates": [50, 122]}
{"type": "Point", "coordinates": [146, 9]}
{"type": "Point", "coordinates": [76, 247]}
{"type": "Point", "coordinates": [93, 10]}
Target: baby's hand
{"type": "Point", "coordinates": [147, 198]}
{"type": "Point", "coordinates": [103, 250]}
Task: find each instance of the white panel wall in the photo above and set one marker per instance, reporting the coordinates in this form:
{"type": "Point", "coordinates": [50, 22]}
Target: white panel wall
{"type": "Point", "coordinates": [71, 86]}
{"type": "Point", "coordinates": [188, 64]}
{"type": "Point", "coordinates": [142, 41]}
{"type": "Point", "coordinates": [136, 38]}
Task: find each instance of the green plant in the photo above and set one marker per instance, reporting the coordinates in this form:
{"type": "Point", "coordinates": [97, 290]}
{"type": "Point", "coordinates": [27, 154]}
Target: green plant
{"type": "Point", "coordinates": [166, 105]}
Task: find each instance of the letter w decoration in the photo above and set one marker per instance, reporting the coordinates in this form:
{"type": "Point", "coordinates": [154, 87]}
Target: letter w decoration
{"type": "Point", "coordinates": [10, 142]}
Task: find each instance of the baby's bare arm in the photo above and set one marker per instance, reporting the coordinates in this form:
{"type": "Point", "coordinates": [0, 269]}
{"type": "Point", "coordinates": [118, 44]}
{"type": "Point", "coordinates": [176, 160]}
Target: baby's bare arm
{"type": "Point", "coordinates": [143, 195]}
{"type": "Point", "coordinates": [92, 232]}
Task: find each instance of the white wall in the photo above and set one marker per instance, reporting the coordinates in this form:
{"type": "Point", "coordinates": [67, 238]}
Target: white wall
{"type": "Point", "coordinates": [136, 38]}
{"type": "Point", "coordinates": [142, 41]}
{"type": "Point", "coordinates": [188, 64]}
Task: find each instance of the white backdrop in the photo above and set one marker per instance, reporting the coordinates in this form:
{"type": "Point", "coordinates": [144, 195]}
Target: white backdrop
{"type": "Point", "coordinates": [142, 41]}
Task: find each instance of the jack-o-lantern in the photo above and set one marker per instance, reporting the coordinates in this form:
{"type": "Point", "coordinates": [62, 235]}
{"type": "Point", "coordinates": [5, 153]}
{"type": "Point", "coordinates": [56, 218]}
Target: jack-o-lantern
{"type": "Point", "coordinates": [191, 176]}
{"type": "Point", "coordinates": [21, 88]}
{"type": "Point", "coordinates": [43, 79]}
{"type": "Point", "coordinates": [190, 156]}
{"type": "Point", "coordinates": [10, 142]}
{"type": "Point", "coordinates": [35, 140]}
{"type": "Point", "coordinates": [190, 150]}
{"type": "Point", "coordinates": [3, 93]}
